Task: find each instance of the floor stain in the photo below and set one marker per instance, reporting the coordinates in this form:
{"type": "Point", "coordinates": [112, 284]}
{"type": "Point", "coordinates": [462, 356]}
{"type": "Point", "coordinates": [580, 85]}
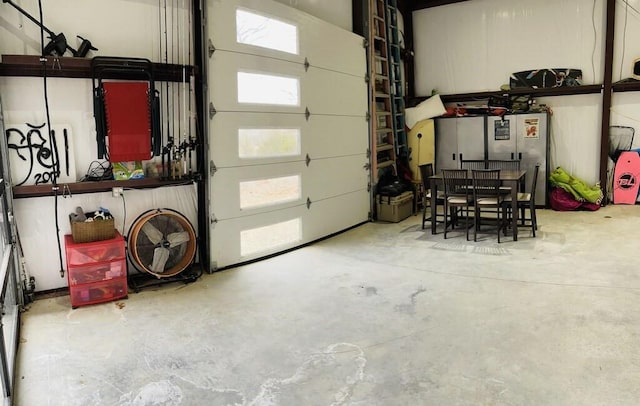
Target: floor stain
{"type": "Point", "coordinates": [421, 289]}
{"type": "Point", "coordinates": [410, 308]}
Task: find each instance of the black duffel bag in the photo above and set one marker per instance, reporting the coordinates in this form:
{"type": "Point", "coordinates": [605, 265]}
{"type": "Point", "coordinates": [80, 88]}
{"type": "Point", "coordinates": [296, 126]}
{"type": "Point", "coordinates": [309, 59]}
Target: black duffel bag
{"type": "Point", "coordinates": [394, 188]}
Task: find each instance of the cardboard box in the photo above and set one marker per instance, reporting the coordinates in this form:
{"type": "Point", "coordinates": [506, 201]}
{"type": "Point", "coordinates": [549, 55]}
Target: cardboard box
{"type": "Point", "coordinates": [394, 209]}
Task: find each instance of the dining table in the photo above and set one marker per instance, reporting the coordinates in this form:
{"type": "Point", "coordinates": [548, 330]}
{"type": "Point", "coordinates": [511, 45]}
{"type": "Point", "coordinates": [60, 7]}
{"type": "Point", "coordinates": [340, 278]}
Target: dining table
{"type": "Point", "coordinates": [510, 178]}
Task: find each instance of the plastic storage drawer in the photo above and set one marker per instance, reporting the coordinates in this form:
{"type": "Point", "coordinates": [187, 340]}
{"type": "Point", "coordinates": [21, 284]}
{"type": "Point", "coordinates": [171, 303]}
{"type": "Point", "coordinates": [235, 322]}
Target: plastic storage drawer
{"type": "Point", "coordinates": [97, 272]}
{"type": "Point", "coordinates": [99, 292]}
{"type": "Point", "coordinates": [91, 252]}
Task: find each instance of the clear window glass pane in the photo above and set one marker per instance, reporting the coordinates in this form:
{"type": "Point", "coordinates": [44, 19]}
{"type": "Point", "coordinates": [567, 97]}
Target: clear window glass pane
{"type": "Point", "coordinates": [268, 142]}
{"type": "Point", "coordinates": [269, 192]}
{"type": "Point", "coordinates": [266, 32]}
{"type": "Point", "coordinates": [268, 89]}
{"type": "Point", "coordinates": [269, 237]}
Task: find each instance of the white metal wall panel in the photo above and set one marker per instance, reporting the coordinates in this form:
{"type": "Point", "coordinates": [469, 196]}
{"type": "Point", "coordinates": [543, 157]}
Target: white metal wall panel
{"type": "Point", "coordinates": [318, 39]}
{"type": "Point", "coordinates": [334, 135]}
{"type": "Point", "coordinates": [475, 45]}
{"type": "Point", "coordinates": [319, 135]}
{"type": "Point", "coordinates": [321, 91]}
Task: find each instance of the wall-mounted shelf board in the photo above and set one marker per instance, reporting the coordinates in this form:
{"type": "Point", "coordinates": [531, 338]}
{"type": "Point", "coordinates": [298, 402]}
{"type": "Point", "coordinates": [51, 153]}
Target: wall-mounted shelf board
{"type": "Point", "coordinates": [65, 189]}
{"type": "Point", "coordinates": [551, 91]}
{"type": "Point", "coordinates": [69, 67]}
{"type": "Point", "coordinates": [626, 86]}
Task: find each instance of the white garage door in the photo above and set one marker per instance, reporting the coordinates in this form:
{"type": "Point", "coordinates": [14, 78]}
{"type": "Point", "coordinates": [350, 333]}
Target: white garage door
{"type": "Point", "coordinates": [288, 139]}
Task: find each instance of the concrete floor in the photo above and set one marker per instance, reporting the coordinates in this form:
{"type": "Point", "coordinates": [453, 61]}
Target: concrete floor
{"type": "Point", "coordinates": [385, 314]}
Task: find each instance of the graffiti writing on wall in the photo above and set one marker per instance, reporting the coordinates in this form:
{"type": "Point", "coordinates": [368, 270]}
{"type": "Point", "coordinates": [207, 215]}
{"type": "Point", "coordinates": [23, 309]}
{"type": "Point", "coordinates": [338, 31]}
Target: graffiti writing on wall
{"type": "Point", "coordinates": [36, 157]}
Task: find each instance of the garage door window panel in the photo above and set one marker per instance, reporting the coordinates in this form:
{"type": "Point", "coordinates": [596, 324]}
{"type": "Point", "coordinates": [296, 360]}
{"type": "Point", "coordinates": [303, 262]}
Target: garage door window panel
{"type": "Point", "coordinates": [266, 238]}
{"type": "Point", "coordinates": [269, 192]}
{"type": "Point", "coordinates": [256, 143]}
{"type": "Point", "coordinates": [261, 88]}
{"type": "Point", "coordinates": [266, 32]}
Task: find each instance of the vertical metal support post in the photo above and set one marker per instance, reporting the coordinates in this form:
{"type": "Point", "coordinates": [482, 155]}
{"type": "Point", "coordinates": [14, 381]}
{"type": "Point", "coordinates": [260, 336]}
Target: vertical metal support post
{"type": "Point", "coordinates": [358, 17]}
{"type": "Point", "coordinates": [201, 93]}
{"type": "Point", "coordinates": [607, 89]}
{"type": "Point", "coordinates": [409, 62]}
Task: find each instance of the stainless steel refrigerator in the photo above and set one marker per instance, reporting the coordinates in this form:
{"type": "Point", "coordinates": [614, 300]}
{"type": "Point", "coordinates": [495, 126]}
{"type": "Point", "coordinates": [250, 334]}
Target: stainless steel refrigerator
{"type": "Point", "coordinates": [525, 137]}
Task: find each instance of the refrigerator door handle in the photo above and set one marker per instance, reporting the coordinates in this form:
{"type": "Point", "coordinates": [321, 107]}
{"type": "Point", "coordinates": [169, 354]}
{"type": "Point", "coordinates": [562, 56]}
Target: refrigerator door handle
{"type": "Point", "coordinates": [520, 156]}
{"type": "Point", "coordinates": [512, 156]}
{"type": "Point", "coordinates": [460, 157]}
{"type": "Point", "coordinates": [453, 156]}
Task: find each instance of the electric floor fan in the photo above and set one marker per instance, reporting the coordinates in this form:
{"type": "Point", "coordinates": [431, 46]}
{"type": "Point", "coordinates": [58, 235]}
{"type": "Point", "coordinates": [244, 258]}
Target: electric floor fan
{"type": "Point", "coordinates": [162, 242]}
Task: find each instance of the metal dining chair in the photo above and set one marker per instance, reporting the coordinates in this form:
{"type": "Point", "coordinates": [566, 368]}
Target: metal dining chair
{"type": "Point", "coordinates": [457, 197]}
{"type": "Point", "coordinates": [487, 195]}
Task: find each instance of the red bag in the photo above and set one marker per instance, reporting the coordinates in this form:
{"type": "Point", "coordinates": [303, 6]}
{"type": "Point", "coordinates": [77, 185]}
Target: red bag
{"type": "Point", "coordinates": [561, 200]}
